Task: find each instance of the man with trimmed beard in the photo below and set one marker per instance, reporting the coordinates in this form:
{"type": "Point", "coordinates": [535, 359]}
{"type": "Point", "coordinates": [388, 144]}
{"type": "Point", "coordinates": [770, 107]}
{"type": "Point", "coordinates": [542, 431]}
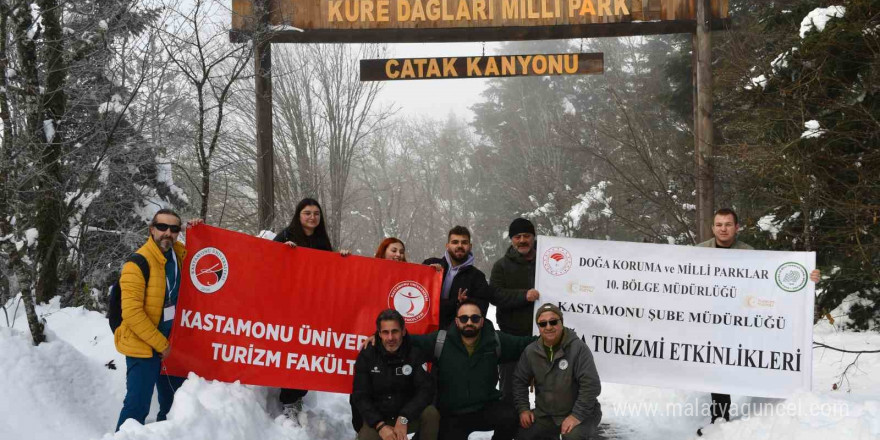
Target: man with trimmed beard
{"type": "Point", "coordinates": [392, 392]}
{"type": "Point", "coordinates": [461, 279]}
{"type": "Point", "coordinates": [147, 317]}
{"type": "Point", "coordinates": [513, 280]}
{"type": "Point", "coordinates": [466, 356]}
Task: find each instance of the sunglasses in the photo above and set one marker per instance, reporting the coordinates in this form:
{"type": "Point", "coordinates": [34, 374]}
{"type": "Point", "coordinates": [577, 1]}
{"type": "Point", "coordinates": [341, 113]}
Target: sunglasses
{"type": "Point", "coordinates": [164, 227]}
{"type": "Point", "coordinates": [474, 318]}
{"type": "Point", "coordinates": [552, 323]}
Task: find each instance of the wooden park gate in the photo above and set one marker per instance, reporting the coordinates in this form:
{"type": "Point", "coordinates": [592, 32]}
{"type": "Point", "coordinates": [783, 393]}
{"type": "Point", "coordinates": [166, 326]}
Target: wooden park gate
{"type": "Point", "coordinates": [404, 21]}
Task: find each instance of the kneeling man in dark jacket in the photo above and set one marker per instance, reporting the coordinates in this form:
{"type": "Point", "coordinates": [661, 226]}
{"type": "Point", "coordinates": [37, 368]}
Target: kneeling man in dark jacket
{"type": "Point", "coordinates": [392, 391]}
{"type": "Point", "coordinates": [566, 383]}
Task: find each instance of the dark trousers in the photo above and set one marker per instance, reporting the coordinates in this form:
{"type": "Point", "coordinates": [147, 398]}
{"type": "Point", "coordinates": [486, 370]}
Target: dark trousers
{"type": "Point", "coordinates": [545, 428]}
{"type": "Point", "coordinates": [141, 376]}
{"type": "Point", "coordinates": [720, 406]}
{"type": "Point", "coordinates": [425, 427]}
{"type": "Point", "coordinates": [496, 416]}
{"type": "Point", "coordinates": [290, 395]}
{"type": "Point", "coordinates": [506, 371]}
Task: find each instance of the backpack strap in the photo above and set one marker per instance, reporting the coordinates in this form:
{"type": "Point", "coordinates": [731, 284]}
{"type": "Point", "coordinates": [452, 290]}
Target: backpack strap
{"type": "Point", "coordinates": [441, 340]}
{"type": "Point", "coordinates": [142, 263]}
{"type": "Point", "coordinates": [438, 346]}
{"type": "Point", "coordinates": [114, 301]}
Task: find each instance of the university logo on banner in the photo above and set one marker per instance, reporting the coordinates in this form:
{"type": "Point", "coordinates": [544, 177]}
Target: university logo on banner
{"type": "Point", "coordinates": [208, 270]}
{"type": "Point", "coordinates": [411, 299]}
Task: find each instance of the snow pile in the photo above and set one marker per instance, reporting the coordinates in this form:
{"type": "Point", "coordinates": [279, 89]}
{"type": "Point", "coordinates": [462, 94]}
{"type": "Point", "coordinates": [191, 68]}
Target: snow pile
{"type": "Point", "coordinates": [62, 389]}
{"type": "Point", "coordinates": [840, 406]}
{"type": "Point", "coordinates": [57, 390]}
{"type": "Point", "coordinates": [222, 411]}
{"type": "Point", "coordinates": [814, 130]}
{"type": "Point", "coordinates": [818, 18]}
{"type": "Point", "coordinates": [212, 410]}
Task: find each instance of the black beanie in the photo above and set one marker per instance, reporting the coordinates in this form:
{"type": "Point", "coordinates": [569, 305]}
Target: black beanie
{"type": "Point", "coordinates": [519, 226]}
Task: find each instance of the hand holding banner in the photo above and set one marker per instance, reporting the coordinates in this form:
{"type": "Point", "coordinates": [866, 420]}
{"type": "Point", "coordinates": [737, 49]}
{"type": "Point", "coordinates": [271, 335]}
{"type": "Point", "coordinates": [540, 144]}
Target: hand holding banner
{"type": "Point", "coordinates": [259, 312]}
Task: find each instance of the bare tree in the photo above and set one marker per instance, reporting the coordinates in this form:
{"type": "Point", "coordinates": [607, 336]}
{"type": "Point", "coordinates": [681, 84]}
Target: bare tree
{"type": "Point", "coordinates": [302, 131]}
{"type": "Point", "coordinates": [349, 113]}
{"type": "Point", "coordinates": [199, 48]}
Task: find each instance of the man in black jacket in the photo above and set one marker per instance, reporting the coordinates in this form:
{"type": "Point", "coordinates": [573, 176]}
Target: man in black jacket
{"type": "Point", "coordinates": [513, 277]}
{"type": "Point", "coordinates": [461, 279]}
{"type": "Point", "coordinates": [393, 391]}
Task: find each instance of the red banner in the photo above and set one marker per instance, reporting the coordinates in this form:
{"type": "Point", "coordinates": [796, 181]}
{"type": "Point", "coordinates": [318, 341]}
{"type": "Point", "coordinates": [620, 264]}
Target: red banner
{"type": "Point", "coordinates": [259, 312]}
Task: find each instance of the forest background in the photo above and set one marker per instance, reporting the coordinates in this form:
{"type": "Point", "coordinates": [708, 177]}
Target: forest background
{"type": "Point", "coordinates": [112, 109]}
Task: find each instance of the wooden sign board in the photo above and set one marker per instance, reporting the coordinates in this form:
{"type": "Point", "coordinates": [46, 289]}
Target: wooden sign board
{"type": "Point", "coordinates": [468, 20]}
{"type": "Point", "coordinates": [482, 67]}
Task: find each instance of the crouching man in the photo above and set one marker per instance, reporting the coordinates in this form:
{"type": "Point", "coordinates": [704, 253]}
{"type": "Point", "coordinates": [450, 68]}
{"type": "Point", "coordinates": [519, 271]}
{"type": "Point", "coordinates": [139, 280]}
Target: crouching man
{"type": "Point", "coordinates": [392, 391]}
{"type": "Point", "coordinates": [566, 383]}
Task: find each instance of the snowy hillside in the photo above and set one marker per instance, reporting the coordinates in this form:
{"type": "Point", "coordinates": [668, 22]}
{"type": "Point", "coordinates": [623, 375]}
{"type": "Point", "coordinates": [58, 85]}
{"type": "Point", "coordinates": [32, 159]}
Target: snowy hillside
{"type": "Point", "coordinates": [63, 389]}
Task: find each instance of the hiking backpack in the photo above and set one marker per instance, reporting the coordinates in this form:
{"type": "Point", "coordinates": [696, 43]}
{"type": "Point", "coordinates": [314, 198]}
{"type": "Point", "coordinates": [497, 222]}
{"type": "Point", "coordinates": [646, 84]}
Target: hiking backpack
{"type": "Point", "coordinates": [114, 309]}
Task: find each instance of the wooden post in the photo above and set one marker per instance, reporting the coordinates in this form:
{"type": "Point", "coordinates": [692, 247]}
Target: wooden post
{"type": "Point", "coordinates": [265, 149]}
{"type": "Point", "coordinates": [703, 130]}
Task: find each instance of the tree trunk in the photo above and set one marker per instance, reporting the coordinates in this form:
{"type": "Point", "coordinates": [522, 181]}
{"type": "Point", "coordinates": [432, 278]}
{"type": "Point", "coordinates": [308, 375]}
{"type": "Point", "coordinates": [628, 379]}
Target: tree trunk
{"type": "Point", "coordinates": [25, 282]}
{"type": "Point", "coordinates": [265, 147]}
{"type": "Point", "coordinates": [50, 205]}
{"type": "Point", "coordinates": [703, 130]}
{"type": "Point", "coordinates": [6, 142]}
{"type": "Point", "coordinates": [5, 147]}
{"type": "Point", "coordinates": [206, 190]}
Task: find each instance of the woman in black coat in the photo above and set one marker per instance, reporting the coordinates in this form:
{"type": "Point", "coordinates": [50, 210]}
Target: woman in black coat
{"type": "Point", "coordinates": [306, 229]}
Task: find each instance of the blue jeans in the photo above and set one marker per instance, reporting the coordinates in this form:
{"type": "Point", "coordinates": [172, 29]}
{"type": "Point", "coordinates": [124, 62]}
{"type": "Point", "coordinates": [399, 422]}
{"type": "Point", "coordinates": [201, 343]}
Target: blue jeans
{"type": "Point", "coordinates": [141, 376]}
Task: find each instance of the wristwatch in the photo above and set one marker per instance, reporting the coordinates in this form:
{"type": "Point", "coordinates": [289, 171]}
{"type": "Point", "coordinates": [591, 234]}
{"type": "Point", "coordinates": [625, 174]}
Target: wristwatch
{"type": "Point", "coordinates": [403, 420]}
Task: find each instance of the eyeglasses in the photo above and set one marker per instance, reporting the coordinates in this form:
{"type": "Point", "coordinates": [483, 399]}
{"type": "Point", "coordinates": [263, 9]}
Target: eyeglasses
{"type": "Point", "coordinates": [164, 227]}
{"type": "Point", "coordinates": [474, 318]}
{"type": "Point", "coordinates": [552, 323]}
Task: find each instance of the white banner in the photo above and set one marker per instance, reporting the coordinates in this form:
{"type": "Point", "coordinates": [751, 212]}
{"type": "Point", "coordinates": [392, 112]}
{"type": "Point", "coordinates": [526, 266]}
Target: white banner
{"type": "Point", "coordinates": [716, 320]}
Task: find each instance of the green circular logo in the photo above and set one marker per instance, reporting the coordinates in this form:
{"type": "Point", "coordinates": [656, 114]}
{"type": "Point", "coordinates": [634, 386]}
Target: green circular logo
{"type": "Point", "coordinates": [791, 277]}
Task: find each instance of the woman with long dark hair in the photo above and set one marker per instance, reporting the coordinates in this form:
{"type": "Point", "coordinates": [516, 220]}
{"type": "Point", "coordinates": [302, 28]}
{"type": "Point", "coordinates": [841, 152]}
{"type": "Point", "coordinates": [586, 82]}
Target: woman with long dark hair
{"type": "Point", "coordinates": [391, 249]}
{"type": "Point", "coordinates": [306, 229]}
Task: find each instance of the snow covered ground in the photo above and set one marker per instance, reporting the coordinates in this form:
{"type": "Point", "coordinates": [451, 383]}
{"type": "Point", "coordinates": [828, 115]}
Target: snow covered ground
{"type": "Point", "coordinates": [62, 389]}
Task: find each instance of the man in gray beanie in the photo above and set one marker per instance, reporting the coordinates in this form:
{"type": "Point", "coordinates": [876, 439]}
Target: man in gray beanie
{"type": "Point", "coordinates": [513, 280]}
{"type": "Point", "coordinates": [566, 383]}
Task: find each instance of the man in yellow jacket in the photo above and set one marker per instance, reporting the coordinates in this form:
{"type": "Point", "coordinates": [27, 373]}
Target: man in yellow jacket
{"type": "Point", "coordinates": [147, 316]}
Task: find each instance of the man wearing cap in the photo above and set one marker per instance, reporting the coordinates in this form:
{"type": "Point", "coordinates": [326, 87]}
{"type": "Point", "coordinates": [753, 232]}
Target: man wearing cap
{"type": "Point", "coordinates": [566, 383]}
{"type": "Point", "coordinates": [513, 282]}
